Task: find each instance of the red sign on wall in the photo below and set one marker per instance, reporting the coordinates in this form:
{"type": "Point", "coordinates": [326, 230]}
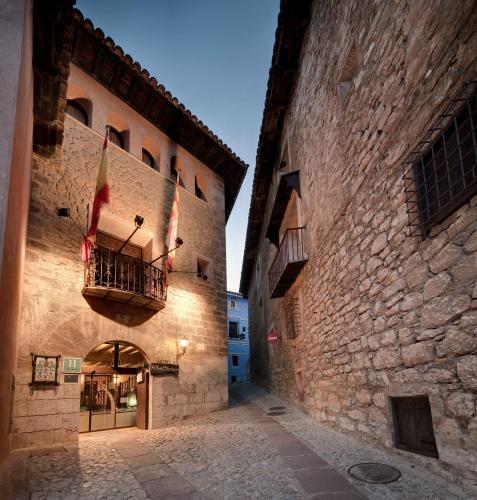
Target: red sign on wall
{"type": "Point", "coordinates": [272, 337]}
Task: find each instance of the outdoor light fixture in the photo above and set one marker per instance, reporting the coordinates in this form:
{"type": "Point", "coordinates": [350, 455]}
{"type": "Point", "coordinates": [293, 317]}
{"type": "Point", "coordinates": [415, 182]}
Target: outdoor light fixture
{"type": "Point", "coordinates": [183, 343]}
{"type": "Point", "coordinates": [138, 221]}
{"type": "Point", "coordinates": [178, 241]}
{"type": "Point", "coordinates": [63, 212]}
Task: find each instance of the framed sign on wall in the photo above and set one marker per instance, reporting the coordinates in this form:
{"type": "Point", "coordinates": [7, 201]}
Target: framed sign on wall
{"type": "Point", "coordinates": [44, 369]}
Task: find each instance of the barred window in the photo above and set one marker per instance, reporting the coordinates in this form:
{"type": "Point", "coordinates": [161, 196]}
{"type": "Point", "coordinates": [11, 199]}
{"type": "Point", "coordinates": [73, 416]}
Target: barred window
{"type": "Point", "coordinates": [445, 175]}
{"type": "Point", "coordinates": [293, 320]}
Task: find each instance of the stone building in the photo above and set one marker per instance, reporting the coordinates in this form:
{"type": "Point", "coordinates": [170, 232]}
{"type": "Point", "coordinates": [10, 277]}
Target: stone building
{"type": "Point", "coordinates": [360, 259]}
{"type": "Point", "coordinates": [16, 123]}
{"type": "Point", "coordinates": [104, 345]}
{"type": "Point", "coordinates": [238, 345]}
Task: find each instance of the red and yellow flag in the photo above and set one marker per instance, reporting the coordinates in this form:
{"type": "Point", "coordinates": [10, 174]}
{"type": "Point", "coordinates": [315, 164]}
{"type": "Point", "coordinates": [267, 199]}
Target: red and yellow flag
{"type": "Point", "coordinates": [172, 229]}
{"type": "Point", "coordinates": [100, 198]}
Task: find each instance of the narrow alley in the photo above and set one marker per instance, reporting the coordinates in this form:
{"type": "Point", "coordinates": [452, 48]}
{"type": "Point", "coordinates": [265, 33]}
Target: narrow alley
{"type": "Point", "coordinates": [238, 453]}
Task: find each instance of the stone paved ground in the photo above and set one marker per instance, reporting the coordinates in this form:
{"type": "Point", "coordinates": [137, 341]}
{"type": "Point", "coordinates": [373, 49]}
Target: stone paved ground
{"type": "Point", "coordinates": [233, 454]}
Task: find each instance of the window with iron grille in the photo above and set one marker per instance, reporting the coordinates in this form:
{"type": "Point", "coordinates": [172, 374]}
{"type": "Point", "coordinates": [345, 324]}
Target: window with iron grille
{"type": "Point", "coordinates": [292, 310]}
{"type": "Point", "coordinates": [445, 172]}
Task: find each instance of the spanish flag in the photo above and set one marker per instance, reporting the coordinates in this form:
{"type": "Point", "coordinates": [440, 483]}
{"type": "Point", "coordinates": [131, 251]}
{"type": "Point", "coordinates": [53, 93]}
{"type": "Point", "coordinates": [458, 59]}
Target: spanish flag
{"type": "Point", "coordinates": [172, 228]}
{"type": "Point", "coordinates": [100, 198]}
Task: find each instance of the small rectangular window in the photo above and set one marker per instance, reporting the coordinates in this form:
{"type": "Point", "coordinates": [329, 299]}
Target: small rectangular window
{"type": "Point", "coordinates": [235, 360]}
{"type": "Point", "coordinates": [233, 378]}
{"type": "Point", "coordinates": [233, 329]}
{"type": "Point", "coordinates": [413, 428]}
{"type": "Point", "coordinates": [233, 303]}
{"type": "Point", "coordinates": [203, 269]}
{"type": "Point", "coordinates": [198, 191]}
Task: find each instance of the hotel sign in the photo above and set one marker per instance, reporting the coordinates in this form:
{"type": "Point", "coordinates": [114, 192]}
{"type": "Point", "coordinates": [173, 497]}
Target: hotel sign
{"type": "Point", "coordinates": [164, 369]}
{"type": "Point", "coordinates": [71, 365]}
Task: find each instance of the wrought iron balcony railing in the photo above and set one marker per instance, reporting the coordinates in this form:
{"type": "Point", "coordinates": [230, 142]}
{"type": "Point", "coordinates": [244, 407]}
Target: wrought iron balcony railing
{"type": "Point", "coordinates": [288, 262]}
{"type": "Point", "coordinates": [124, 279]}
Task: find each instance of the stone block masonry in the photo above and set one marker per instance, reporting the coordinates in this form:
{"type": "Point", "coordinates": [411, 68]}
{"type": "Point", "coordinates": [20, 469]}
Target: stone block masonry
{"type": "Point", "coordinates": [382, 315]}
{"type": "Point", "coordinates": [57, 319]}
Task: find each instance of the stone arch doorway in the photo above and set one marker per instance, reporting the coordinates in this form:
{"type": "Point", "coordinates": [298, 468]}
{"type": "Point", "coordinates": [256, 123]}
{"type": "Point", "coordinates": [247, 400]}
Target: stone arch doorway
{"type": "Point", "coordinates": [114, 387]}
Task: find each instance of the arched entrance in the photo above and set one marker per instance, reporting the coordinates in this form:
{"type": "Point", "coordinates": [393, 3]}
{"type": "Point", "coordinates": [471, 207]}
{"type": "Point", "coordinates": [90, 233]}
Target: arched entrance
{"type": "Point", "coordinates": [114, 387]}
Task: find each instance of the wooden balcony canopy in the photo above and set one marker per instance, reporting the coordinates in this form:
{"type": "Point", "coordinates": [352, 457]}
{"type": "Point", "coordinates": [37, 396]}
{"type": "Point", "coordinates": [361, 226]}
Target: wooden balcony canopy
{"type": "Point", "coordinates": [288, 183]}
{"type": "Point", "coordinates": [288, 263]}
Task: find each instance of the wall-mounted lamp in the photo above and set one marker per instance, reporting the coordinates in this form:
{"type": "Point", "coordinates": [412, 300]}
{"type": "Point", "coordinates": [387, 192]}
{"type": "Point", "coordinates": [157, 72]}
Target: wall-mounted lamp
{"type": "Point", "coordinates": [138, 221]}
{"type": "Point", "coordinates": [178, 241]}
{"type": "Point", "coordinates": [183, 343]}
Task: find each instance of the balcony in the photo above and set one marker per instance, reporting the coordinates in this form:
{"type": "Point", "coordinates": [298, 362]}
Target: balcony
{"type": "Point", "coordinates": [288, 262]}
{"type": "Point", "coordinates": [121, 278]}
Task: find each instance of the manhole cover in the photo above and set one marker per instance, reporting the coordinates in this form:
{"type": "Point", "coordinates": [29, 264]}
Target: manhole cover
{"type": "Point", "coordinates": [273, 413]}
{"type": "Point", "coordinates": [277, 408]}
{"type": "Point", "coordinates": [374, 473]}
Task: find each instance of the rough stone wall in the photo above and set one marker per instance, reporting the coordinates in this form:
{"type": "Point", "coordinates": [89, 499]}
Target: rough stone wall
{"type": "Point", "coordinates": [57, 319]}
{"type": "Point", "coordinates": [382, 314]}
{"type": "Point", "coordinates": [16, 121]}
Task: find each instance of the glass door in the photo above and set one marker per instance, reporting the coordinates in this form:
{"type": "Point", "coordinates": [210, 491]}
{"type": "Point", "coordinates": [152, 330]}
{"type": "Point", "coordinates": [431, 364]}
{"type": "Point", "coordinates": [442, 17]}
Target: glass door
{"type": "Point", "coordinates": [107, 401]}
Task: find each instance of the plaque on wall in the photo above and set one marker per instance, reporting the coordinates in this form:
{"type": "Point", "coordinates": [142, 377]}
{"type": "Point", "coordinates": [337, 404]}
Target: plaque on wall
{"type": "Point", "coordinates": [164, 369]}
{"type": "Point", "coordinates": [44, 370]}
{"type": "Point", "coordinates": [70, 378]}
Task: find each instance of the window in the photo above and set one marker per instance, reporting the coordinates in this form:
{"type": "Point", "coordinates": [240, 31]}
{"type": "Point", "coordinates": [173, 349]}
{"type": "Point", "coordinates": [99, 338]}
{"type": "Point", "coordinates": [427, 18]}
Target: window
{"type": "Point", "coordinates": [109, 242]}
{"type": "Point", "coordinates": [292, 312]}
{"type": "Point", "coordinates": [445, 175]}
{"type": "Point", "coordinates": [116, 137]}
{"type": "Point", "coordinates": [198, 191]}
{"type": "Point", "coordinates": [235, 360]}
{"type": "Point", "coordinates": [175, 172]}
{"type": "Point", "coordinates": [413, 429]}
{"type": "Point", "coordinates": [233, 303]}
{"type": "Point", "coordinates": [349, 71]}
{"type": "Point", "coordinates": [147, 158]}
{"type": "Point", "coordinates": [74, 109]}
{"type": "Point", "coordinates": [233, 329]}
{"type": "Point", "coordinates": [233, 378]}
{"type": "Point", "coordinates": [203, 269]}
{"type": "Point", "coordinates": [244, 329]}
{"type": "Point", "coordinates": [300, 388]}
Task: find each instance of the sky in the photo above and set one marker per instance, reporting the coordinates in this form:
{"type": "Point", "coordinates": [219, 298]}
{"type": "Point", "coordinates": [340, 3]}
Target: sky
{"type": "Point", "coordinates": [214, 56]}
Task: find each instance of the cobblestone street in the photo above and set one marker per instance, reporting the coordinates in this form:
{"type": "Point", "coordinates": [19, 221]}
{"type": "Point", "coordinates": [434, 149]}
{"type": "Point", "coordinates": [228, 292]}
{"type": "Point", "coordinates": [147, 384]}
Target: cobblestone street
{"type": "Point", "coordinates": [237, 453]}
